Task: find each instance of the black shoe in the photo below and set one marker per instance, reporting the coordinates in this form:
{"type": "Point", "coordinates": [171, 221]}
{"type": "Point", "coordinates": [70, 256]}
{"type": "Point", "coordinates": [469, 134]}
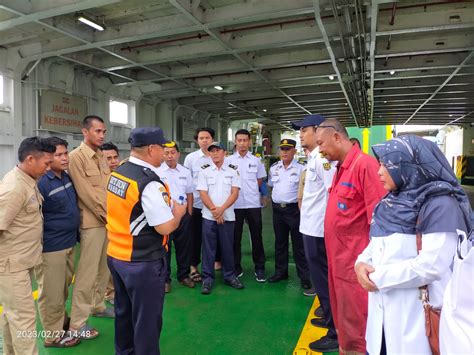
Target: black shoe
{"type": "Point", "coordinates": [206, 288]}
{"type": "Point", "coordinates": [239, 272]}
{"type": "Point", "coordinates": [318, 312]}
{"type": "Point", "coordinates": [319, 322]}
{"type": "Point", "coordinates": [305, 284]}
{"type": "Point", "coordinates": [235, 283]}
{"type": "Point", "coordinates": [260, 276]}
{"type": "Point", "coordinates": [324, 345]}
{"type": "Point", "coordinates": [277, 278]}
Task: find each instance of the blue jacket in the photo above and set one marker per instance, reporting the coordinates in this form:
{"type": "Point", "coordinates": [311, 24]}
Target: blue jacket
{"type": "Point", "coordinates": [60, 212]}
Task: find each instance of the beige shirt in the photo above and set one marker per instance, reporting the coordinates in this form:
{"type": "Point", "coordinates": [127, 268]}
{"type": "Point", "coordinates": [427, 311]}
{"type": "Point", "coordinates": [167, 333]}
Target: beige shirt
{"type": "Point", "coordinates": [89, 173]}
{"type": "Point", "coordinates": [21, 222]}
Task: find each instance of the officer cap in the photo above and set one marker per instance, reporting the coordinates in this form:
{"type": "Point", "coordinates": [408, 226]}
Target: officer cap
{"type": "Point", "coordinates": [216, 145]}
{"type": "Point", "coordinates": [143, 136]}
{"type": "Point", "coordinates": [287, 143]}
{"type": "Point", "coordinates": [310, 120]}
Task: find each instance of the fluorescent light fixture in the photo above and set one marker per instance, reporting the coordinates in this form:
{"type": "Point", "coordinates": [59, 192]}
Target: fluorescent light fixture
{"type": "Point", "coordinates": [217, 87]}
{"type": "Point", "coordinates": [392, 72]}
{"type": "Point", "coordinates": [385, 102]}
{"type": "Point", "coordinates": [331, 77]}
{"type": "Point", "coordinates": [450, 115]}
{"type": "Point", "coordinates": [90, 23]}
{"type": "Point", "coordinates": [264, 110]}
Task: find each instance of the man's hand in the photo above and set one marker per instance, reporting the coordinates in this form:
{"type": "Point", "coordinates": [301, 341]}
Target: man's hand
{"type": "Point", "coordinates": [220, 220]}
{"type": "Point", "coordinates": [363, 270]}
{"type": "Point", "coordinates": [218, 212]}
{"type": "Point", "coordinates": [179, 210]}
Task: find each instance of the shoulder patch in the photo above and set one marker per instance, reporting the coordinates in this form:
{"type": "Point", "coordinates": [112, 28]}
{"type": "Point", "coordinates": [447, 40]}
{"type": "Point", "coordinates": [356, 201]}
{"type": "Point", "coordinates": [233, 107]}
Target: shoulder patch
{"type": "Point", "coordinates": [118, 186]}
{"type": "Point", "coordinates": [327, 166]}
{"type": "Point", "coordinates": [205, 166]}
{"type": "Point", "coordinates": [233, 166]}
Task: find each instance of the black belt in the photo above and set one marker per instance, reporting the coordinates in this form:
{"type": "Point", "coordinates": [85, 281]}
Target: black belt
{"type": "Point", "coordinates": [285, 205]}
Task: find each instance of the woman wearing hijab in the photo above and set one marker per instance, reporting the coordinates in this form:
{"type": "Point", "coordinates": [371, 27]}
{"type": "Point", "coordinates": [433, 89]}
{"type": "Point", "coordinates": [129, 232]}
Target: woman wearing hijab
{"type": "Point", "coordinates": [423, 197]}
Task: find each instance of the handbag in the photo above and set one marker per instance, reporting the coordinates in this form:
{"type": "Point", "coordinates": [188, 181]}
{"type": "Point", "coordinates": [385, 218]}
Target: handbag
{"type": "Point", "coordinates": [432, 315]}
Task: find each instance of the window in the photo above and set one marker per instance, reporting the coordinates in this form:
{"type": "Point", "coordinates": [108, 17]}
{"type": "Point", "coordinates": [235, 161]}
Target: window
{"type": "Point", "coordinates": [118, 112]}
{"type": "Point", "coordinates": [1, 90]}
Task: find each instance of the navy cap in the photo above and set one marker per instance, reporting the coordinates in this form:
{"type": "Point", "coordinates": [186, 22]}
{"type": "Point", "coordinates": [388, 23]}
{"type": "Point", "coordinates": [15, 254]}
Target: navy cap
{"type": "Point", "coordinates": [143, 136]}
{"type": "Point", "coordinates": [310, 120]}
{"type": "Point", "coordinates": [216, 145]}
{"type": "Point", "coordinates": [287, 143]}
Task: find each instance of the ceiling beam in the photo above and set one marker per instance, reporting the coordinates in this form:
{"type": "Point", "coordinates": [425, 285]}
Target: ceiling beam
{"type": "Point", "coordinates": [373, 30]}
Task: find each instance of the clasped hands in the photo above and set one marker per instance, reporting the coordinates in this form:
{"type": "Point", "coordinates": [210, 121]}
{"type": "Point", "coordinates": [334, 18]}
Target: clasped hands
{"type": "Point", "coordinates": [218, 214]}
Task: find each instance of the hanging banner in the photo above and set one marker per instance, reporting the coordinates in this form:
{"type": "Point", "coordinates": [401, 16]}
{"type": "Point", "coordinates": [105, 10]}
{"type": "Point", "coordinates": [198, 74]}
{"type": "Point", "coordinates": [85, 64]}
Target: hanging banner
{"type": "Point", "coordinates": [61, 112]}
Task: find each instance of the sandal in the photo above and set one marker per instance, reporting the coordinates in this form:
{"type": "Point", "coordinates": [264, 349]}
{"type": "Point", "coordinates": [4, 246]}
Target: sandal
{"type": "Point", "coordinates": [66, 341]}
{"type": "Point", "coordinates": [85, 332]}
{"type": "Point", "coordinates": [195, 276]}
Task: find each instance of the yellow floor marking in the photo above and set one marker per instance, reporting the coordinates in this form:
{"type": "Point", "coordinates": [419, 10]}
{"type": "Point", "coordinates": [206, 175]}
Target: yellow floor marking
{"type": "Point", "coordinates": [309, 333]}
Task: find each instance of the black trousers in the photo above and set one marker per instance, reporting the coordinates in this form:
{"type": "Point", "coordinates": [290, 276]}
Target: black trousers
{"type": "Point", "coordinates": [253, 217]}
{"type": "Point", "coordinates": [182, 242]}
{"type": "Point", "coordinates": [316, 257]}
{"type": "Point", "coordinates": [139, 296]}
{"type": "Point", "coordinates": [286, 220]}
{"type": "Point", "coordinates": [196, 236]}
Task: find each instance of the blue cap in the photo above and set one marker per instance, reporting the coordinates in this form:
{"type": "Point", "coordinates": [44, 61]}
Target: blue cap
{"type": "Point", "coordinates": [216, 145]}
{"type": "Point", "coordinates": [310, 120]}
{"type": "Point", "coordinates": [143, 136]}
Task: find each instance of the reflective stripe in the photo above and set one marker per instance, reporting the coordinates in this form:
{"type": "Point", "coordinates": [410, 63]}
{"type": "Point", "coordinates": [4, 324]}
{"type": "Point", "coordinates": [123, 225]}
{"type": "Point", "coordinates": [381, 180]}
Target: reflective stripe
{"type": "Point", "coordinates": [139, 228]}
{"type": "Point", "coordinates": [59, 189]}
{"type": "Point", "coordinates": [136, 221]}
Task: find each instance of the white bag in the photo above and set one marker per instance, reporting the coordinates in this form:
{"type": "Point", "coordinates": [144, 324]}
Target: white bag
{"type": "Point", "coordinates": [457, 315]}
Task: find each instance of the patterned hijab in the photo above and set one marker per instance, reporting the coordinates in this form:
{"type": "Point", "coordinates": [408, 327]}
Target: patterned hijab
{"type": "Point", "coordinates": [420, 171]}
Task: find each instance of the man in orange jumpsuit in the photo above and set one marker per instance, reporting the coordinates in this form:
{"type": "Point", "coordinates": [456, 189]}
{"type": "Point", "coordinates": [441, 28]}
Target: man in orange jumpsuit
{"type": "Point", "coordinates": [353, 195]}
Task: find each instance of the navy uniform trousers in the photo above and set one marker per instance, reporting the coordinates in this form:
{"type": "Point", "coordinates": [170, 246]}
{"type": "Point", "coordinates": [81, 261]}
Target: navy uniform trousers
{"type": "Point", "coordinates": [213, 236]}
{"type": "Point", "coordinates": [182, 243]}
{"type": "Point", "coordinates": [286, 220]}
{"type": "Point", "coordinates": [139, 295]}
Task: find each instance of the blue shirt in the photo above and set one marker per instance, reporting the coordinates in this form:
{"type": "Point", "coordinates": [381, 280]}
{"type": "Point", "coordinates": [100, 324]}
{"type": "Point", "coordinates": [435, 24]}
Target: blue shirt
{"type": "Point", "coordinates": [60, 212]}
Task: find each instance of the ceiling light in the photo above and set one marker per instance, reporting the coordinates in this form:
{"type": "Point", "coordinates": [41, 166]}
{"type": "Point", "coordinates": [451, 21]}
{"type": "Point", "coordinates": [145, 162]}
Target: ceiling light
{"type": "Point", "coordinates": [217, 87]}
{"type": "Point", "coordinates": [450, 115]}
{"type": "Point", "coordinates": [392, 72]}
{"type": "Point", "coordinates": [331, 77]}
{"type": "Point", "coordinates": [91, 23]}
{"type": "Point", "coordinates": [385, 102]}
{"type": "Point", "coordinates": [264, 110]}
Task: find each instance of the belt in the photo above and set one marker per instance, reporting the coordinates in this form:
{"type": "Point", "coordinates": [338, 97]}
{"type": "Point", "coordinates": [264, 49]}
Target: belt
{"type": "Point", "coordinates": [285, 205]}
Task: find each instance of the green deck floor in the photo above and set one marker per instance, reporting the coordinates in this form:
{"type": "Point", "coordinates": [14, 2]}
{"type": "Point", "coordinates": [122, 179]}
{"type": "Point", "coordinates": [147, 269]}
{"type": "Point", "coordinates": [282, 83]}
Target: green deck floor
{"type": "Point", "coordinates": [260, 319]}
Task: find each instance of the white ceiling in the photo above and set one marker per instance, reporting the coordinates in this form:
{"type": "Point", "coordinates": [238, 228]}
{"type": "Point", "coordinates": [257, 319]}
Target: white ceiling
{"type": "Point", "coordinates": [273, 55]}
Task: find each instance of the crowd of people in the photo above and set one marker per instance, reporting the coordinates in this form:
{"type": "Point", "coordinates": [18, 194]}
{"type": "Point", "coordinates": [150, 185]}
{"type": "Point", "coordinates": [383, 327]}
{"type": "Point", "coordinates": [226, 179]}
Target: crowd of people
{"type": "Point", "coordinates": [367, 233]}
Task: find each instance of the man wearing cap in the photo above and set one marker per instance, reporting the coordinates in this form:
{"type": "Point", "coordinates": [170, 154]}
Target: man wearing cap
{"type": "Point", "coordinates": [355, 191]}
{"type": "Point", "coordinates": [319, 175]}
{"type": "Point", "coordinates": [284, 177]}
{"type": "Point", "coordinates": [218, 185]}
{"type": "Point", "coordinates": [180, 184]}
{"type": "Point", "coordinates": [248, 206]}
{"type": "Point", "coordinates": [140, 216]}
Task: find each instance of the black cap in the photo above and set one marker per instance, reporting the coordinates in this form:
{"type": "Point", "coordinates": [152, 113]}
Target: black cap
{"type": "Point", "coordinates": [143, 136]}
{"type": "Point", "coordinates": [310, 120]}
{"type": "Point", "coordinates": [216, 145]}
{"type": "Point", "coordinates": [287, 143]}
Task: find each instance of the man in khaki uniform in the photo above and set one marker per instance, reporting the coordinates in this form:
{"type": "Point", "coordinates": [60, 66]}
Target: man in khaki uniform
{"type": "Point", "coordinates": [21, 228]}
{"type": "Point", "coordinates": [89, 172]}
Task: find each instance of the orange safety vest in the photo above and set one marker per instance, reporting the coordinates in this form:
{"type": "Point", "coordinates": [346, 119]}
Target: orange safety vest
{"type": "Point", "coordinates": [130, 236]}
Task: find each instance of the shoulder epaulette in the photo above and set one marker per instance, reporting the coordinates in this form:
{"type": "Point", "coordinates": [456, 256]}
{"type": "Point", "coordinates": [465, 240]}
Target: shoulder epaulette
{"type": "Point", "coordinates": [274, 164]}
{"type": "Point", "coordinates": [205, 166]}
{"type": "Point", "coordinates": [301, 162]}
{"type": "Point", "coordinates": [233, 166]}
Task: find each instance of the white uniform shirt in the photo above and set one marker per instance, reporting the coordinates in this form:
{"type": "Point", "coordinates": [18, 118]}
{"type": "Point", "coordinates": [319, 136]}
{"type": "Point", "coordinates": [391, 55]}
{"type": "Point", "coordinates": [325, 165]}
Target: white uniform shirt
{"type": "Point", "coordinates": [179, 180]}
{"type": "Point", "coordinates": [193, 162]}
{"type": "Point", "coordinates": [154, 206]}
{"type": "Point", "coordinates": [218, 183]}
{"type": "Point", "coordinates": [250, 169]}
{"type": "Point", "coordinates": [319, 176]}
{"type": "Point", "coordinates": [399, 271]}
{"type": "Point", "coordinates": [285, 181]}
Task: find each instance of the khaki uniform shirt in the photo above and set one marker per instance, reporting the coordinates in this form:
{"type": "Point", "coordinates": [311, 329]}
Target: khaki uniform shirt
{"type": "Point", "coordinates": [21, 222]}
{"type": "Point", "coordinates": [89, 173]}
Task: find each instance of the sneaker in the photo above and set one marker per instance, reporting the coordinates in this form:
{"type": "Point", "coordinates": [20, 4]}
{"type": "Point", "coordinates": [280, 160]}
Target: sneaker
{"type": "Point", "coordinates": [206, 288]}
{"type": "Point", "coordinates": [305, 284]}
{"type": "Point", "coordinates": [277, 278]}
{"type": "Point", "coordinates": [260, 276]}
{"type": "Point", "coordinates": [319, 322]}
{"type": "Point", "coordinates": [235, 283]}
{"type": "Point", "coordinates": [318, 312]}
{"type": "Point", "coordinates": [240, 274]}
{"type": "Point", "coordinates": [324, 345]}
{"type": "Point", "coordinates": [310, 292]}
